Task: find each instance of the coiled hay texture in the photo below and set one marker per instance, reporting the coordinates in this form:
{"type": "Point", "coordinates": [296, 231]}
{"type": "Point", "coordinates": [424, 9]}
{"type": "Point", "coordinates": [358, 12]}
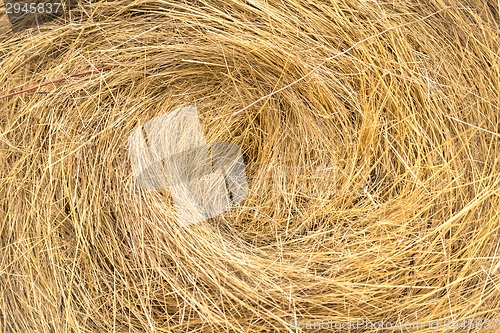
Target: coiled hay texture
{"type": "Point", "coordinates": [370, 134]}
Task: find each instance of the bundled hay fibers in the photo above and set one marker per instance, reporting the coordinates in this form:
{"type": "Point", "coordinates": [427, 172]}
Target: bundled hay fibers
{"type": "Point", "coordinates": [370, 136]}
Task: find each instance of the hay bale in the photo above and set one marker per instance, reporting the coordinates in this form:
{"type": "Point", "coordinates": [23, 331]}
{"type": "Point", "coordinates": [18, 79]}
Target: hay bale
{"type": "Point", "coordinates": [369, 132]}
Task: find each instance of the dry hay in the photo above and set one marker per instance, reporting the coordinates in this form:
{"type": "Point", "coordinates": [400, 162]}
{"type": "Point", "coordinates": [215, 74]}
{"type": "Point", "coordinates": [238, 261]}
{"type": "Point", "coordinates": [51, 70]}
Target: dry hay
{"type": "Point", "coordinates": [370, 136]}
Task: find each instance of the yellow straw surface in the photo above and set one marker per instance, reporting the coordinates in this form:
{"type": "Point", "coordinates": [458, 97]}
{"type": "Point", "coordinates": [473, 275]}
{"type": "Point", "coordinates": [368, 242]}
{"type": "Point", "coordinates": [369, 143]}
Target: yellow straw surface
{"type": "Point", "coordinates": [370, 133]}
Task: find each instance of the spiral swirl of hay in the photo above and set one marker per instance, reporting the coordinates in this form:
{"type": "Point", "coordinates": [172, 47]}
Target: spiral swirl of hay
{"type": "Point", "coordinates": [370, 136]}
